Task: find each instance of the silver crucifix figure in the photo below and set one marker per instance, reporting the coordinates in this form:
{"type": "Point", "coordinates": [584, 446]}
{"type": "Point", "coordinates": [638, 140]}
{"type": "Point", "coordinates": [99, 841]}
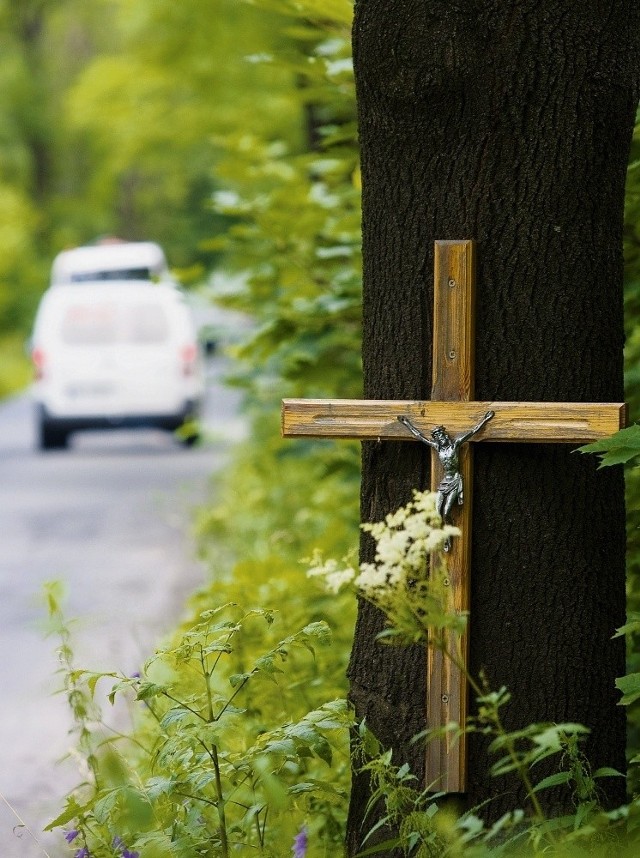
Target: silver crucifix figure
{"type": "Point", "coordinates": [451, 489]}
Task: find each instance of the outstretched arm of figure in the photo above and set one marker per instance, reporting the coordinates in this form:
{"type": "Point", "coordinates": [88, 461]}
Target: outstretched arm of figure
{"type": "Point", "coordinates": [416, 432]}
{"type": "Point", "coordinates": [460, 440]}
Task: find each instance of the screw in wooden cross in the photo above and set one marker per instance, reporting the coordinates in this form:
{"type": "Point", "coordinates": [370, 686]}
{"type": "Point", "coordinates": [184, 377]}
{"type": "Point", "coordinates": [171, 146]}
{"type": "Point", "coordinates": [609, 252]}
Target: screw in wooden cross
{"type": "Point", "coordinates": [452, 406]}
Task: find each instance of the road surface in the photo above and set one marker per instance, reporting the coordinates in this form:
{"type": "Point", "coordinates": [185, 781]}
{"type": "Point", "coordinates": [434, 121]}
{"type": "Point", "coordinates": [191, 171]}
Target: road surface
{"type": "Point", "coordinates": [110, 517]}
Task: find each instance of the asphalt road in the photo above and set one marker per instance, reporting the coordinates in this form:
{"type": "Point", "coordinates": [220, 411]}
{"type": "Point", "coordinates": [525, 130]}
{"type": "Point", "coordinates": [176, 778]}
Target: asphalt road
{"type": "Point", "coordinates": [109, 517]}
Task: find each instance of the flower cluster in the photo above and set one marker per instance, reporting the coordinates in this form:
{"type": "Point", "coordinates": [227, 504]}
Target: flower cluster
{"type": "Point", "coordinates": [335, 576]}
{"type": "Point", "coordinates": [117, 844]}
{"type": "Point", "coordinates": [405, 541]}
{"type": "Point", "coordinates": [407, 578]}
{"type": "Point", "coordinates": [300, 843]}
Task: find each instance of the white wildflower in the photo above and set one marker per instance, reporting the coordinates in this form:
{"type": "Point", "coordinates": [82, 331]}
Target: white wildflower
{"type": "Point", "coordinates": [392, 547]}
{"type": "Point", "coordinates": [371, 579]}
{"type": "Point", "coordinates": [404, 575]}
{"type": "Point", "coordinates": [416, 558]}
{"type": "Point", "coordinates": [335, 575]}
{"type": "Point", "coordinates": [320, 569]}
{"type": "Point", "coordinates": [426, 502]}
{"type": "Point", "coordinates": [375, 528]}
{"type": "Point", "coordinates": [397, 518]}
{"type": "Point", "coordinates": [335, 581]}
{"type": "Point", "coordinates": [417, 527]}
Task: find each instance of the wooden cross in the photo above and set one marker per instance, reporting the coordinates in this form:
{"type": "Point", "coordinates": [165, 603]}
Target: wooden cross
{"type": "Point", "coordinates": [452, 405]}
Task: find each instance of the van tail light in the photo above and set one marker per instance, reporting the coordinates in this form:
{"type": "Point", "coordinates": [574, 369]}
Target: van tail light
{"type": "Point", "coordinates": [188, 359]}
{"type": "Point", "coordinates": [37, 356]}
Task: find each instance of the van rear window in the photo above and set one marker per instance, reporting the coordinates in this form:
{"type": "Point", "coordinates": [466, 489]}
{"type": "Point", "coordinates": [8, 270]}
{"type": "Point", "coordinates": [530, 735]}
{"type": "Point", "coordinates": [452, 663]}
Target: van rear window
{"type": "Point", "coordinates": [111, 274]}
{"type": "Point", "coordinates": [107, 323]}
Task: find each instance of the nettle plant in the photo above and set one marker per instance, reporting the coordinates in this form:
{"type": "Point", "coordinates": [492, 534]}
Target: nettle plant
{"type": "Point", "coordinates": [204, 772]}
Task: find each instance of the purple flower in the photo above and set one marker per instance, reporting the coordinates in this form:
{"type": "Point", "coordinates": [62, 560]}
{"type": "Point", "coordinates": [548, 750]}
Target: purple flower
{"type": "Point", "coordinates": [82, 853]}
{"type": "Point", "coordinates": [117, 842]}
{"type": "Point", "coordinates": [300, 843]}
{"type": "Point", "coordinates": [128, 854]}
{"type": "Point", "coordinates": [70, 836]}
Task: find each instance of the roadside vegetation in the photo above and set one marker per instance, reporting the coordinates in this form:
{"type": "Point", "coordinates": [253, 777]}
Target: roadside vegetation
{"type": "Point", "coordinates": [226, 131]}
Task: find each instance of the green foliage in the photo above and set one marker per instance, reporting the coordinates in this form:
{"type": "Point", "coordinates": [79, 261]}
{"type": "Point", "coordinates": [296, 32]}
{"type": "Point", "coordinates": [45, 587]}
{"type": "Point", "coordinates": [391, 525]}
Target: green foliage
{"type": "Point", "coordinates": [43, 43]}
{"type": "Point", "coordinates": [292, 256]}
{"type": "Point", "coordinates": [618, 449]}
{"type": "Point", "coordinates": [221, 761]}
{"type": "Point", "coordinates": [421, 824]}
{"type": "Point", "coordinates": [416, 821]}
{"type": "Point", "coordinates": [15, 368]}
{"type": "Point", "coordinates": [632, 276]}
{"type": "Point", "coordinates": [295, 238]}
{"type": "Point", "coordinates": [146, 111]}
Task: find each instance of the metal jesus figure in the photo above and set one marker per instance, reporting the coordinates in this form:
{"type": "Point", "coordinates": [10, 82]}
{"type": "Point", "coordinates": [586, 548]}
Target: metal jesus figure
{"type": "Point", "coordinates": [451, 489]}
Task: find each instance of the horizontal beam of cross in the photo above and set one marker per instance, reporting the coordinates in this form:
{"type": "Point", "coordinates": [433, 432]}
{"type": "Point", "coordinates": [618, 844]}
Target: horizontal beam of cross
{"type": "Point", "coordinates": [519, 422]}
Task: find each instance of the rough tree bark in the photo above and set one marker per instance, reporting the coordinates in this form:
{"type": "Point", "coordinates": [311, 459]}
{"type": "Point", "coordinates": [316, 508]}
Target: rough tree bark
{"type": "Point", "coordinates": [509, 123]}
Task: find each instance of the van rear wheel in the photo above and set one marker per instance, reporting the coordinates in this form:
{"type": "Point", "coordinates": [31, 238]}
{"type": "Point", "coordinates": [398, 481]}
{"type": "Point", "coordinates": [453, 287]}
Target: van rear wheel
{"type": "Point", "coordinates": [52, 437]}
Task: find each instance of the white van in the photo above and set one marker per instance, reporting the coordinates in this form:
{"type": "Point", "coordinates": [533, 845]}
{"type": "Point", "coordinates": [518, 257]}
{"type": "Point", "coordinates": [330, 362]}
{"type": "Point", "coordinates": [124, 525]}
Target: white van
{"type": "Point", "coordinates": [111, 354]}
{"type": "Point", "coordinates": [110, 260]}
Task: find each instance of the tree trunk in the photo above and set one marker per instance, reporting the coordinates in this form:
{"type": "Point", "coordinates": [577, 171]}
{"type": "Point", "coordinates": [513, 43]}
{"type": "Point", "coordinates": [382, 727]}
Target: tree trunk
{"type": "Point", "coordinates": [509, 124]}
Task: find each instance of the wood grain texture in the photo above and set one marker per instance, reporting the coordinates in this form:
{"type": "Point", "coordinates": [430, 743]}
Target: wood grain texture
{"type": "Point", "coordinates": [374, 419]}
{"type": "Point", "coordinates": [452, 379]}
{"type": "Point", "coordinates": [453, 321]}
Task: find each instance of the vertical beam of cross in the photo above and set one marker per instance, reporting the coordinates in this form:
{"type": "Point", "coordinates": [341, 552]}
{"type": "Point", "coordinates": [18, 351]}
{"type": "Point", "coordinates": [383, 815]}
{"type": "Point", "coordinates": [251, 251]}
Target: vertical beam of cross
{"type": "Point", "coordinates": [453, 381]}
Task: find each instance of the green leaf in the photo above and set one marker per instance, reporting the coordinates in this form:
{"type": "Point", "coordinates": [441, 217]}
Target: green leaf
{"type": "Point", "coordinates": [217, 647]}
{"type": "Point", "coordinates": [618, 448]}
{"type": "Point", "coordinates": [160, 785]}
{"type": "Point", "coordinates": [213, 612]}
{"type": "Point", "coordinates": [319, 629]}
{"type": "Point", "coordinates": [630, 687]}
{"type": "Point", "coordinates": [370, 744]}
{"type": "Point", "coordinates": [176, 716]}
{"type": "Point", "coordinates": [553, 780]}
{"type": "Point", "coordinates": [607, 772]}
{"type": "Point", "coordinates": [105, 805]}
{"type": "Point", "coordinates": [317, 787]}
{"type": "Point", "coordinates": [237, 678]}
{"type": "Point", "coordinates": [632, 625]}
{"type": "Point", "coordinates": [583, 812]}
{"type": "Point", "coordinates": [203, 780]}
{"type": "Point", "coordinates": [284, 746]}
{"type": "Point", "coordinates": [94, 678]}
{"type": "Point", "coordinates": [619, 456]}
{"type": "Point", "coordinates": [507, 820]}
{"type": "Point", "coordinates": [149, 690]}
{"type": "Point", "coordinates": [72, 810]}
{"type": "Point", "coordinates": [628, 437]}
{"type": "Point", "coordinates": [386, 846]}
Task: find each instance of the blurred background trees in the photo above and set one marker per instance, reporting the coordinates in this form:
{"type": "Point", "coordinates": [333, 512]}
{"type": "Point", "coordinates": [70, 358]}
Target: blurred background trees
{"type": "Point", "coordinates": [111, 116]}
